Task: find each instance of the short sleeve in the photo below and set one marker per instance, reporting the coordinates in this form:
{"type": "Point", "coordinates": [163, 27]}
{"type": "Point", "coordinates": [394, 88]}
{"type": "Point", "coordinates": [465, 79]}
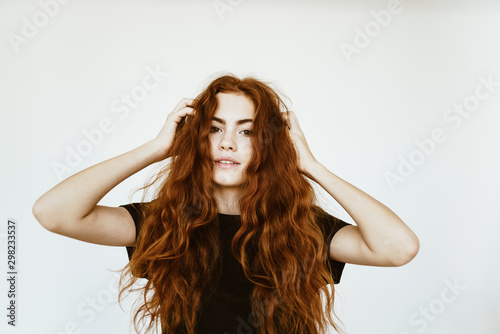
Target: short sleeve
{"type": "Point", "coordinates": [331, 225]}
{"type": "Point", "coordinates": [135, 210]}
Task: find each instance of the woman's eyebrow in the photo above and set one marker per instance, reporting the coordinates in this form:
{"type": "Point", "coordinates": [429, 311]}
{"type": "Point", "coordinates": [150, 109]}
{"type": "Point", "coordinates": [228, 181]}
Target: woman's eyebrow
{"type": "Point", "coordinates": [239, 122]}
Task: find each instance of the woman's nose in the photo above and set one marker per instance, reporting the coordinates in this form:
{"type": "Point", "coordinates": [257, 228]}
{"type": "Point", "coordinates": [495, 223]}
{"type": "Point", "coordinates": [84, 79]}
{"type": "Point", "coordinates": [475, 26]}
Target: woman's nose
{"type": "Point", "coordinates": [227, 142]}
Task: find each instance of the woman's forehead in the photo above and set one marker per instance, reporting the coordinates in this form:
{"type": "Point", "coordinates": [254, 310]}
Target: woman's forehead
{"type": "Point", "coordinates": [234, 107]}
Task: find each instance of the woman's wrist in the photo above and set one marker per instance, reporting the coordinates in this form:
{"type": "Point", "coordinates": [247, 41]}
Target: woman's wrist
{"type": "Point", "coordinates": [312, 169]}
{"type": "Point", "coordinates": [157, 150]}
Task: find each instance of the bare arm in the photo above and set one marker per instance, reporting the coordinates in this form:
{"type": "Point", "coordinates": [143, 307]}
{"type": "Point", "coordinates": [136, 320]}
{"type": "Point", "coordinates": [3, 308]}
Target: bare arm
{"type": "Point", "coordinates": [70, 207]}
{"type": "Point", "coordinates": [380, 238]}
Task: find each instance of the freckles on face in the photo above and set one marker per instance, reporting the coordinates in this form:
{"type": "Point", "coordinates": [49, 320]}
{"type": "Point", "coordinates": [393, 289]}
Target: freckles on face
{"type": "Point", "coordinates": [230, 138]}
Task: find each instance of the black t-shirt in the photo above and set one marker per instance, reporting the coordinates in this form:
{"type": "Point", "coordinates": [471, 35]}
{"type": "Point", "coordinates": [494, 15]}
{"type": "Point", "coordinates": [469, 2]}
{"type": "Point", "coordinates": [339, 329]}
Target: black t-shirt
{"type": "Point", "coordinates": [228, 309]}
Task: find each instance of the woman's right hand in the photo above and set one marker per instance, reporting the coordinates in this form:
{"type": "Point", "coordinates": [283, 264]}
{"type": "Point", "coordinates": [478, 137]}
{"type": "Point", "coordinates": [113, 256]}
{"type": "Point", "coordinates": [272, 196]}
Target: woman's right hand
{"type": "Point", "coordinates": [165, 138]}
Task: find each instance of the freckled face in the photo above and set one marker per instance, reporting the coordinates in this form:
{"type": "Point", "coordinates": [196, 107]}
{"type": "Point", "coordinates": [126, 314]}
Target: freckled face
{"type": "Point", "coordinates": [230, 138]}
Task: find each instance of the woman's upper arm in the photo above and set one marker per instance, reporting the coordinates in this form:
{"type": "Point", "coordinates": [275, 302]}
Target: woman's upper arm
{"type": "Point", "coordinates": [348, 246]}
{"type": "Point", "coordinates": [105, 225]}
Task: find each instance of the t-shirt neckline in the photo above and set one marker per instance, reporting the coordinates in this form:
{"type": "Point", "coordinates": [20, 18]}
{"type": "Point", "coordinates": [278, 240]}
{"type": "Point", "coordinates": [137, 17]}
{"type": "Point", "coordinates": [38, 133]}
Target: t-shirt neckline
{"type": "Point", "coordinates": [228, 215]}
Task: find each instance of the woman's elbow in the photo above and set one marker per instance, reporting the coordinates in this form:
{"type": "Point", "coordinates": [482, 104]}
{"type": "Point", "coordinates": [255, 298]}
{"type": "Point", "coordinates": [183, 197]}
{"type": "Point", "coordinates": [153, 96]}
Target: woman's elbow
{"type": "Point", "coordinates": [42, 216]}
{"type": "Point", "coordinates": [408, 251]}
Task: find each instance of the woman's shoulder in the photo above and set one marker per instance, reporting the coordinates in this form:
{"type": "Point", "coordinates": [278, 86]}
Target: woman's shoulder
{"type": "Point", "coordinates": [326, 221]}
{"type": "Point", "coordinates": [136, 209]}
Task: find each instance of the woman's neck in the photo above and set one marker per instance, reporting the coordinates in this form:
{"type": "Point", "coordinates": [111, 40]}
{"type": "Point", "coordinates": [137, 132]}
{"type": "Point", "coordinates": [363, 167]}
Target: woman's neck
{"type": "Point", "coordinates": [228, 200]}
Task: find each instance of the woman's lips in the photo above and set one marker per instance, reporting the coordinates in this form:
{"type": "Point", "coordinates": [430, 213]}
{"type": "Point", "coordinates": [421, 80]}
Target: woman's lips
{"type": "Point", "coordinates": [226, 165]}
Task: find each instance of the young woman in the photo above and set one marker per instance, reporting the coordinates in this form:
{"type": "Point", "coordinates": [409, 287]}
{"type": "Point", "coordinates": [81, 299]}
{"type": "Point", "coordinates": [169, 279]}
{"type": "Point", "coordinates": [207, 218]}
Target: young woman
{"type": "Point", "coordinates": [233, 241]}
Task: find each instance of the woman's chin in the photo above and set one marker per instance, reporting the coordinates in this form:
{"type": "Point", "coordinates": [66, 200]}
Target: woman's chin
{"type": "Point", "coordinates": [227, 182]}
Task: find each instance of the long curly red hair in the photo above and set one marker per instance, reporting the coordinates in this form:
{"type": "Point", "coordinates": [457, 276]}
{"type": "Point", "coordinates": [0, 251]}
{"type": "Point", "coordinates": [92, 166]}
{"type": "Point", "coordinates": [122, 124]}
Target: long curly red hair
{"type": "Point", "coordinates": [279, 245]}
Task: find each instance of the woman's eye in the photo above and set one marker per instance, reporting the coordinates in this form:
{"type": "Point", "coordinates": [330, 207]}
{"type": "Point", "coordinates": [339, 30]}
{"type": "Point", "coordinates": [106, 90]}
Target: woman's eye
{"type": "Point", "coordinates": [214, 129]}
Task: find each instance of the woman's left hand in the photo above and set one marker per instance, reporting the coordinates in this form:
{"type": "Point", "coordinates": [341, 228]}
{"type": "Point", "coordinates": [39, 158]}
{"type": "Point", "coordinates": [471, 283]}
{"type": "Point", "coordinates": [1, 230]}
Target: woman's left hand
{"type": "Point", "coordinates": [306, 159]}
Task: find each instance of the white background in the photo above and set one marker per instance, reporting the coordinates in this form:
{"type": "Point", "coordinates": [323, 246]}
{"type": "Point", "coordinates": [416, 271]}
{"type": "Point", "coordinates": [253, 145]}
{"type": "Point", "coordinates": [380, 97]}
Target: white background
{"type": "Point", "coordinates": [361, 115]}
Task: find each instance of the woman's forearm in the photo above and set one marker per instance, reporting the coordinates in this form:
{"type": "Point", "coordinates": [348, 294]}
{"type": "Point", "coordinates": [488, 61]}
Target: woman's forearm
{"type": "Point", "coordinates": [75, 197]}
